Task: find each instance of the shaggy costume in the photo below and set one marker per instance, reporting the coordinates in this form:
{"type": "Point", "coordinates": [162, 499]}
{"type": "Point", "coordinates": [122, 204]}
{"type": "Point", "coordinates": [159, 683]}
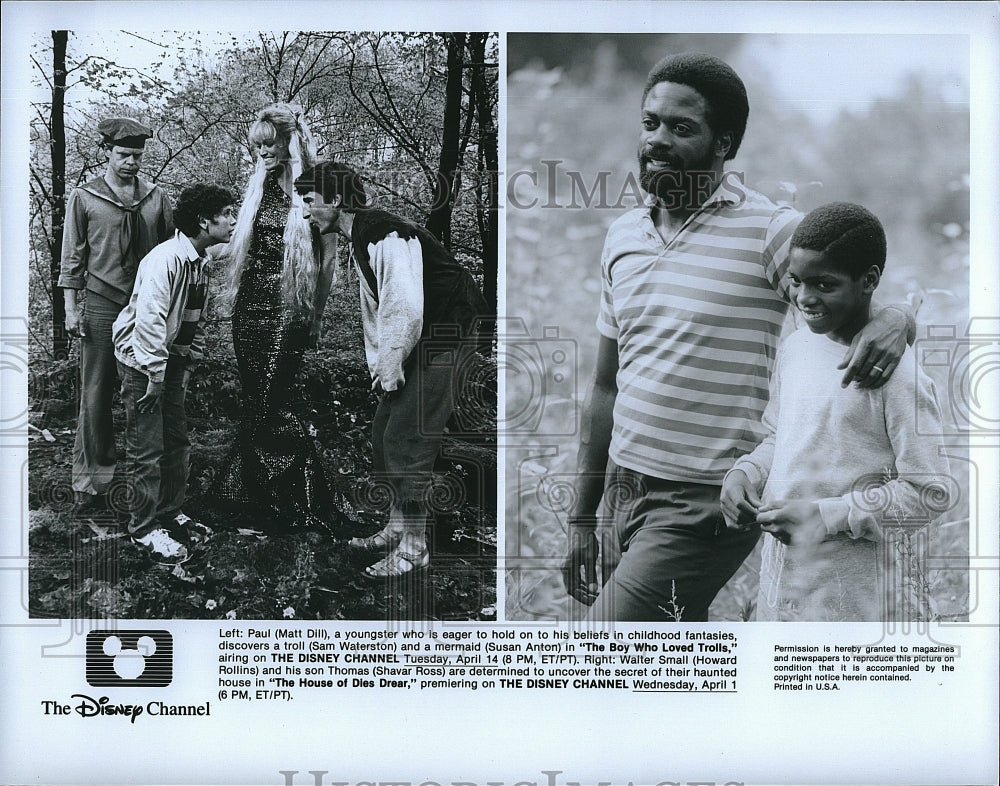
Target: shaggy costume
{"type": "Point", "coordinates": [419, 308]}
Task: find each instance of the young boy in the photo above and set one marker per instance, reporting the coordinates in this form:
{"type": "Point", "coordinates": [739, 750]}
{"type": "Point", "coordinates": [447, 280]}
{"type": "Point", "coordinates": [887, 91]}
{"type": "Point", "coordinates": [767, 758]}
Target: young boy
{"type": "Point", "coordinates": [157, 338]}
{"type": "Point", "coordinates": [838, 464]}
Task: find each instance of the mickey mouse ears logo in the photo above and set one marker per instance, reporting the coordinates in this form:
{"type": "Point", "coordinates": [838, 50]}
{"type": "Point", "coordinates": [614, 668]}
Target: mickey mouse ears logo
{"type": "Point", "coordinates": [129, 664]}
{"type": "Point", "coordinates": [129, 658]}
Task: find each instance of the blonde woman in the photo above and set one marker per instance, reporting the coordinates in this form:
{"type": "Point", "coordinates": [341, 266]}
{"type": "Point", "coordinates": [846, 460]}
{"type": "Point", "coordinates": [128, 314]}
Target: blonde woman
{"type": "Point", "coordinates": [278, 282]}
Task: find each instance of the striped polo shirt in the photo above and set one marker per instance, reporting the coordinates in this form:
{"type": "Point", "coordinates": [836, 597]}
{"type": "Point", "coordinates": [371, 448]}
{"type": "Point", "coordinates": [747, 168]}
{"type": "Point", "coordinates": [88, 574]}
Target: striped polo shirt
{"type": "Point", "coordinates": [697, 322]}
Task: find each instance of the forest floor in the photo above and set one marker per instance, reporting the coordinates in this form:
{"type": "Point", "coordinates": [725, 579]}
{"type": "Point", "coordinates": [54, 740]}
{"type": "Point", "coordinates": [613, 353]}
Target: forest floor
{"type": "Point", "coordinates": [87, 566]}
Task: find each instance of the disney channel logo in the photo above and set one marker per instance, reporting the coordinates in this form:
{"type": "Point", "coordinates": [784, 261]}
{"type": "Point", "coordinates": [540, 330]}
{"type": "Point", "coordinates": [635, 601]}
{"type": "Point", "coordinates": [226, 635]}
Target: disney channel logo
{"type": "Point", "coordinates": [126, 659]}
{"type": "Point", "coordinates": [130, 658]}
{"type": "Point", "coordinates": [89, 707]}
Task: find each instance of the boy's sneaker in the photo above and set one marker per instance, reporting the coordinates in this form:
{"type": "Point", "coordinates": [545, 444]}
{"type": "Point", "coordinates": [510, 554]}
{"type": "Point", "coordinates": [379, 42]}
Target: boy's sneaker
{"type": "Point", "coordinates": [195, 530]}
{"type": "Point", "coordinates": [160, 542]}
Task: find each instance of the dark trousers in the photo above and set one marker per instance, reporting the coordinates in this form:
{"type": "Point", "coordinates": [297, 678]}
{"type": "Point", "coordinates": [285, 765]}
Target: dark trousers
{"type": "Point", "coordinates": [409, 425]}
{"type": "Point", "coordinates": [676, 552]}
{"type": "Point", "coordinates": [94, 448]}
{"type": "Point", "coordinates": [157, 448]}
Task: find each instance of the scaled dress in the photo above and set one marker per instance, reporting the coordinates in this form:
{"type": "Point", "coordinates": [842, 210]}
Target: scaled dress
{"type": "Point", "coordinates": [274, 467]}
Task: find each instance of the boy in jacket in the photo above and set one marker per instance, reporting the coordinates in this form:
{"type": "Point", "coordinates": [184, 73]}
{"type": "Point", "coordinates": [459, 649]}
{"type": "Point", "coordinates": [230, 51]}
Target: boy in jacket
{"type": "Point", "coordinates": [157, 338]}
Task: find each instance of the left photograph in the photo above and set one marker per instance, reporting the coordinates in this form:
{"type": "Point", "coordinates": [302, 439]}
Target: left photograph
{"type": "Point", "coordinates": [263, 296]}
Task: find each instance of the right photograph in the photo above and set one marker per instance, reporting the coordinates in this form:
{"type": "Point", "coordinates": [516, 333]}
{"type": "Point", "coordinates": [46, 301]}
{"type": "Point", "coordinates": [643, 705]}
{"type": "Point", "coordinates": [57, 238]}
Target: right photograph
{"type": "Point", "coordinates": [740, 369]}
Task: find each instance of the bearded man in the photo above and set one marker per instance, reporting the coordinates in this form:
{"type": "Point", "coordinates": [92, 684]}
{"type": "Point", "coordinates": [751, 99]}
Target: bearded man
{"type": "Point", "coordinates": [692, 305]}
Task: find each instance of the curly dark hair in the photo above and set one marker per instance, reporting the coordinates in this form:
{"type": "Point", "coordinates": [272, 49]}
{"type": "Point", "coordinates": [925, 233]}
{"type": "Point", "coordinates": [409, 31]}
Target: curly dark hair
{"type": "Point", "coordinates": [334, 179]}
{"type": "Point", "coordinates": [718, 83]}
{"type": "Point", "coordinates": [848, 235]}
{"type": "Point", "coordinates": [202, 200]}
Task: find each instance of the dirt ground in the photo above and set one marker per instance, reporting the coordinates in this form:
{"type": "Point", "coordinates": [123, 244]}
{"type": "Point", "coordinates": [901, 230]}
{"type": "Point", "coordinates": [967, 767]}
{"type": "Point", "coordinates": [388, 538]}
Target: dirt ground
{"type": "Point", "coordinates": [87, 567]}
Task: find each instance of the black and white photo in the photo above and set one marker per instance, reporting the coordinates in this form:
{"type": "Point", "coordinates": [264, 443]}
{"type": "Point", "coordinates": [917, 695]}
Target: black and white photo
{"type": "Point", "coordinates": [279, 357]}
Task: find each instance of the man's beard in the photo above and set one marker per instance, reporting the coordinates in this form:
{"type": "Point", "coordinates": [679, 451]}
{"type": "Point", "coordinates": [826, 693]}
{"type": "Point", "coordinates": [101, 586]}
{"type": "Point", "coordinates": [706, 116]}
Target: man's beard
{"type": "Point", "coordinates": [680, 188]}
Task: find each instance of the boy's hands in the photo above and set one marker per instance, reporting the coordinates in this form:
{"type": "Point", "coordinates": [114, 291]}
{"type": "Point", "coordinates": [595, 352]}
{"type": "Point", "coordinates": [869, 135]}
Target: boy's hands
{"type": "Point", "coordinates": [149, 402]}
{"type": "Point", "coordinates": [792, 521]}
{"type": "Point", "coordinates": [795, 521]}
{"type": "Point", "coordinates": [740, 501]}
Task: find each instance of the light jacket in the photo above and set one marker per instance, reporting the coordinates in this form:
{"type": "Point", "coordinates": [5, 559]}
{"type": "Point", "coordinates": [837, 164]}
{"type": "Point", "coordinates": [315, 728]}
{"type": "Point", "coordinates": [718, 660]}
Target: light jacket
{"type": "Point", "coordinates": [157, 322]}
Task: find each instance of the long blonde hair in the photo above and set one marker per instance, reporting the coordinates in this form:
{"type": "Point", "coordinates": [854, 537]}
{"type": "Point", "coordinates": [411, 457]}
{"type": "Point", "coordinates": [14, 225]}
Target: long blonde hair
{"type": "Point", "coordinates": [300, 270]}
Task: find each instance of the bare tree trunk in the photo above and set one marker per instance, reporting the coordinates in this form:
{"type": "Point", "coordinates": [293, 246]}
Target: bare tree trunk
{"type": "Point", "coordinates": [57, 142]}
{"type": "Point", "coordinates": [489, 218]}
{"type": "Point", "coordinates": [447, 184]}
